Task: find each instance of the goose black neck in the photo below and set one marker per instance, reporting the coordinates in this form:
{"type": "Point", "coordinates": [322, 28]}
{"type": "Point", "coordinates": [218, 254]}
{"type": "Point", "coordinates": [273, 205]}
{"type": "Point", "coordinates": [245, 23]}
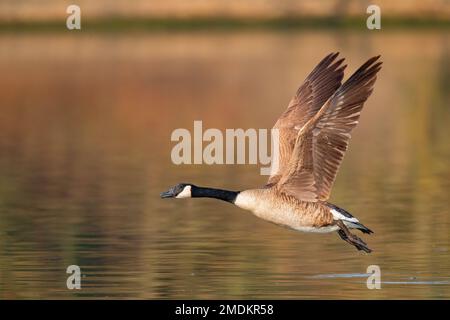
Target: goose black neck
{"type": "Point", "coordinates": [225, 195]}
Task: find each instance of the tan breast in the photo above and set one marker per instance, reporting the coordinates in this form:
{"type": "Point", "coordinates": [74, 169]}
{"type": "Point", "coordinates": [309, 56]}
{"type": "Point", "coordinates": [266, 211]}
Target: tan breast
{"type": "Point", "coordinates": [285, 210]}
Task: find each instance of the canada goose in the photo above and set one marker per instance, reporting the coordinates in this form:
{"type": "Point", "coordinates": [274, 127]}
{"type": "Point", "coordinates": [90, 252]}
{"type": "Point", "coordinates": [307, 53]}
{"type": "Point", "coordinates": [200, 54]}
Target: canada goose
{"type": "Point", "coordinates": [314, 132]}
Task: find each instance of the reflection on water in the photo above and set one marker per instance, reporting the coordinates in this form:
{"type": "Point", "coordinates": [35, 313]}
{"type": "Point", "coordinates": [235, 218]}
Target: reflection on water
{"type": "Point", "coordinates": [85, 150]}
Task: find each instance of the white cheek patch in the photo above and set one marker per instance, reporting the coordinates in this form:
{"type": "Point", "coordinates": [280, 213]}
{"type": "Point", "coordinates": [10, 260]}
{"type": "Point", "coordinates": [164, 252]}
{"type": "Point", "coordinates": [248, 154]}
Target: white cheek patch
{"type": "Point", "coordinates": [186, 193]}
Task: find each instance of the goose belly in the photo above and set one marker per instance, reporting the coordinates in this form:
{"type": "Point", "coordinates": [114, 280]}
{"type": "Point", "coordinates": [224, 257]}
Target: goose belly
{"type": "Point", "coordinates": [294, 219]}
{"type": "Point", "coordinates": [284, 214]}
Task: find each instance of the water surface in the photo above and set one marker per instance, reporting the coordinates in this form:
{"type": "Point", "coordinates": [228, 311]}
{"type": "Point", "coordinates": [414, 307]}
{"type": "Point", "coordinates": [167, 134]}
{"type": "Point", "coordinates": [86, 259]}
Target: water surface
{"type": "Point", "coordinates": [85, 149]}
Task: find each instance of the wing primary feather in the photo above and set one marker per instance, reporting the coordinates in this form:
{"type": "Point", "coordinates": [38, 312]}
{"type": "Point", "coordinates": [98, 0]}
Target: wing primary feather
{"type": "Point", "coordinates": [317, 88]}
{"type": "Point", "coordinates": [321, 143]}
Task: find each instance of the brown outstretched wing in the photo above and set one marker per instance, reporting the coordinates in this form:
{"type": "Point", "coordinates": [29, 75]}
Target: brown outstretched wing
{"type": "Point", "coordinates": [317, 88]}
{"type": "Point", "coordinates": [322, 142]}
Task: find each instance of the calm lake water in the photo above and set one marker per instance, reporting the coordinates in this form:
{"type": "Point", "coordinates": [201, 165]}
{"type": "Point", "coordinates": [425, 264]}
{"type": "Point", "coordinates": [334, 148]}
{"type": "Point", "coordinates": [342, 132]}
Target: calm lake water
{"type": "Point", "coordinates": [85, 146]}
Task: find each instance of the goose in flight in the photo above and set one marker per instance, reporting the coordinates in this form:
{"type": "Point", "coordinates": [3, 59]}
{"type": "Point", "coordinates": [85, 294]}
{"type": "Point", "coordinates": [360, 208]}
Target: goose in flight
{"type": "Point", "coordinates": [314, 132]}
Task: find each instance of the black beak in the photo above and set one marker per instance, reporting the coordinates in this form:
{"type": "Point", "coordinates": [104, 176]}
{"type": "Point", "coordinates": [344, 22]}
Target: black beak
{"type": "Point", "coordinates": [167, 194]}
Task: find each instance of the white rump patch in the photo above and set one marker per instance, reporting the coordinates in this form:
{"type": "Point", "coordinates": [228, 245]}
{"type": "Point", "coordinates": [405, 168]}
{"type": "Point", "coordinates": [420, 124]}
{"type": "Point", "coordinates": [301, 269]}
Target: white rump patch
{"type": "Point", "coordinates": [186, 193]}
{"type": "Point", "coordinates": [339, 216]}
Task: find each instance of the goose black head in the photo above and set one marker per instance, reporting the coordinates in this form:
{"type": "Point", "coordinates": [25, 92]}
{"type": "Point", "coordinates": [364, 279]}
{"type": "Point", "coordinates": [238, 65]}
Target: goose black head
{"type": "Point", "coordinates": [181, 190]}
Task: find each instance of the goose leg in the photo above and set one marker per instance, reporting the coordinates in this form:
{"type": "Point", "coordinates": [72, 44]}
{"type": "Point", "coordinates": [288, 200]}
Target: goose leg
{"type": "Point", "coordinates": [349, 237]}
